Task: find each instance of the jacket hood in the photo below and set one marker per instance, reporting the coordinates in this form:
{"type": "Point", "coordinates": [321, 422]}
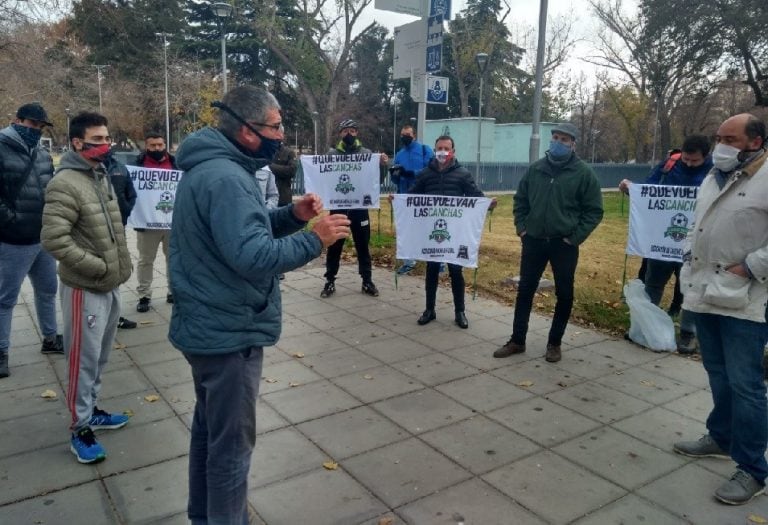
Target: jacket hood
{"type": "Point", "coordinates": [73, 161]}
{"type": "Point", "coordinates": [210, 143]}
{"type": "Point", "coordinates": [11, 137]}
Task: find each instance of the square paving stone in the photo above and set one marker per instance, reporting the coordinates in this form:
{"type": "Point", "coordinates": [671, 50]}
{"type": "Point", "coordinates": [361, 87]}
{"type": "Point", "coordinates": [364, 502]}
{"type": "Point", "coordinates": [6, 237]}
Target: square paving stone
{"type": "Point", "coordinates": [340, 362]}
{"type": "Point", "coordinates": [687, 493]}
{"type": "Point", "coordinates": [24, 337]}
{"type": "Point", "coordinates": [28, 401]}
{"type": "Point", "coordinates": [445, 338]}
{"type": "Point", "coordinates": [645, 385]}
{"type": "Point", "coordinates": [121, 382]}
{"type": "Point", "coordinates": [135, 446]}
{"type": "Point", "coordinates": [26, 376]}
{"type": "Point", "coordinates": [267, 418]}
{"type": "Point", "coordinates": [543, 421]}
{"type": "Point", "coordinates": [619, 457]}
{"type": "Point", "coordinates": [151, 493]}
{"type": "Point", "coordinates": [310, 343]}
{"type": "Point", "coordinates": [532, 482]}
{"type": "Point", "coordinates": [395, 349]}
{"type": "Point", "coordinates": [41, 471]}
{"type": "Point", "coordinates": [283, 454]}
{"type": "Point", "coordinates": [26, 355]}
{"type": "Point", "coordinates": [576, 336]}
{"type": "Point", "coordinates": [168, 373]}
{"type": "Point", "coordinates": [379, 312]}
{"type": "Point", "coordinates": [481, 356]}
{"type": "Point", "coordinates": [479, 444]}
{"type": "Point", "coordinates": [332, 321]}
{"type": "Point", "coordinates": [483, 392]}
{"type": "Point", "coordinates": [310, 306]}
{"type": "Point", "coordinates": [143, 335]}
{"type": "Point", "coordinates": [292, 326]}
{"type": "Point", "coordinates": [273, 355]}
{"type": "Point", "coordinates": [697, 405]}
{"type": "Point", "coordinates": [682, 369]}
{"type": "Point", "coordinates": [281, 375]}
{"type": "Point", "coordinates": [181, 398]}
{"type": "Point", "coordinates": [661, 427]}
{"type": "Point", "coordinates": [377, 383]}
{"type": "Point", "coordinates": [364, 333]}
{"type": "Point", "coordinates": [406, 324]}
{"type": "Point", "coordinates": [474, 501]}
{"type": "Point", "coordinates": [352, 432]}
{"type": "Point", "coordinates": [33, 432]}
{"type": "Point", "coordinates": [310, 401]}
{"type": "Point", "coordinates": [422, 410]}
{"type": "Point", "coordinates": [589, 364]}
{"type": "Point", "coordinates": [66, 506]}
{"type": "Point", "coordinates": [142, 411]}
{"type": "Point", "coordinates": [492, 309]}
{"type": "Point", "coordinates": [435, 369]}
{"type": "Point", "coordinates": [389, 518]}
{"type": "Point", "coordinates": [404, 472]}
{"type": "Point", "coordinates": [599, 402]}
{"type": "Point", "coordinates": [631, 510]}
{"type": "Point", "coordinates": [545, 377]}
{"type": "Point", "coordinates": [326, 498]}
{"type": "Point", "coordinates": [623, 351]}
{"type": "Point", "coordinates": [153, 353]}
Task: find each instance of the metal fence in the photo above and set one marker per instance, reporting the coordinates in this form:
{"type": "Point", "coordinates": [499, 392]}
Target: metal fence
{"type": "Point", "coordinates": [505, 177]}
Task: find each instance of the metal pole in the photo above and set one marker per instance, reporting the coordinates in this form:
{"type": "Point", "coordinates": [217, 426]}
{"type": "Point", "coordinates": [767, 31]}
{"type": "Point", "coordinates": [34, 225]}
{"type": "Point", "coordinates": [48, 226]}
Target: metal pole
{"type": "Point", "coordinates": [99, 67]}
{"type": "Point", "coordinates": [314, 125]}
{"type": "Point", "coordinates": [421, 121]}
{"type": "Point", "coordinates": [479, 128]}
{"type": "Point", "coordinates": [533, 152]}
{"type": "Point", "coordinates": [594, 139]}
{"type": "Point", "coordinates": [223, 59]}
{"type": "Point", "coordinates": [394, 130]}
{"type": "Point", "coordinates": [69, 144]}
{"type": "Point", "coordinates": [167, 116]}
{"type": "Point", "coordinates": [655, 130]}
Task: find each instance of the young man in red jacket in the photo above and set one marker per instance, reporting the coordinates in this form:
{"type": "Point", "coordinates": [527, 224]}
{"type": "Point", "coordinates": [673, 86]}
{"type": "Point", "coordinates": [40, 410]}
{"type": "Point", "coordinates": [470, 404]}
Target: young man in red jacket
{"type": "Point", "coordinates": [148, 240]}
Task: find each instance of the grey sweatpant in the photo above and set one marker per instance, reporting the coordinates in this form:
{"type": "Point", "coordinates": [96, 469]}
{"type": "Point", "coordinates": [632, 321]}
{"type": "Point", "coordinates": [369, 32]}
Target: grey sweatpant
{"type": "Point", "coordinates": [90, 324]}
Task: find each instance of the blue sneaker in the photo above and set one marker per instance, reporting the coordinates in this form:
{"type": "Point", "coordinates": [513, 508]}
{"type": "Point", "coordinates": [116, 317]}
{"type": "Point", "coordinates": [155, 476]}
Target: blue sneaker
{"type": "Point", "coordinates": [405, 269]}
{"type": "Point", "coordinates": [105, 420]}
{"type": "Point", "coordinates": [86, 448]}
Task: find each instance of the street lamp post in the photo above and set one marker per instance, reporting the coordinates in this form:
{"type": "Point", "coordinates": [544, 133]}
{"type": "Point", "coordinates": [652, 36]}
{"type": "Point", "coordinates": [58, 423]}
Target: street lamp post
{"type": "Point", "coordinates": [595, 133]}
{"type": "Point", "coordinates": [482, 63]}
{"type": "Point", "coordinates": [222, 10]}
{"type": "Point", "coordinates": [395, 100]}
{"type": "Point", "coordinates": [533, 151]}
{"type": "Point", "coordinates": [99, 67]}
{"type": "Point", "coordinates": [314, 125]}
{"type": "Point", "coordinates": [67, 111]}
{"type": "Point", "coordinates": [165, 64]}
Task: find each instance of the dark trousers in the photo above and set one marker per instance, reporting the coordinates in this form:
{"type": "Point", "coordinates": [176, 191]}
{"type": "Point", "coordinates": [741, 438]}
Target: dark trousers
{"type": "Point", "coordinates": [677, 297]}
{"type": "Point", "coordinates": [536, 254]}
{"type": "Point", "coordinates": [457, 285]}
{"type": "Point", "coordinates": [361, 235]}
{"type": "Point", "coordinates": [223, 435]}
{"type": "Point", "coordinates": [657, 275]}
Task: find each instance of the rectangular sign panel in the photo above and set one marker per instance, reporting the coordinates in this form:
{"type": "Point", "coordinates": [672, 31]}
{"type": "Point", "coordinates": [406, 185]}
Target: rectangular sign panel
{"type": "Point", "coordinates": [440, 7]}
{"type": "Point", "coordinates": [437, 90]}
{"type": "Point", "coordinates": [407, 7]}
{"type": "Point", "coordinates": [410, 44]}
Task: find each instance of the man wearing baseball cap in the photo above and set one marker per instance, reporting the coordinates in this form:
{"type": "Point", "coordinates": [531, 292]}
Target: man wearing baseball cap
{"type": "Point", "coordinates": [557, 206]}
{"type": "Point", "coordinates": [349, 144]}
{"type": "Point", "coordinates": [26, 170]}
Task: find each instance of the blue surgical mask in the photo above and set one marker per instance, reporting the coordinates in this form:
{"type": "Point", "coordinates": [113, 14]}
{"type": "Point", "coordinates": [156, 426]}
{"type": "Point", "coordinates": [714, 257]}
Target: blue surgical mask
{"type": "Point", "coordinates": [558, 150]}
{"type": "Point", "coordinates": [30, 136]}
{"type": "Point", "coordinates": [269, 147]}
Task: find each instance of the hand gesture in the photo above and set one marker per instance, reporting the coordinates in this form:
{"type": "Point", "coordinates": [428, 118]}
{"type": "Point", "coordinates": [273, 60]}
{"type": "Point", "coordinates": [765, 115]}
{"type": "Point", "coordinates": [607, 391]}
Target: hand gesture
{"type": "Point", "coordinates": [331, 228]}
{"type": "Point", "coordinates": [308, 207]}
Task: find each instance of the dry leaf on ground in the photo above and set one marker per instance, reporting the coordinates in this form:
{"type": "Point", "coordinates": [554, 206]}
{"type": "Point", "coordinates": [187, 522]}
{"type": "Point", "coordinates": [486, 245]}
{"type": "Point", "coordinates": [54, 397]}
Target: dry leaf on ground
{"type": "Point", "coordinates": [330, 465]}
{"type": "Point", "coordinates": [386, 521]}
{"type": "Point", "coordinates": [270, 380]}
{"type": "Point", "coordinates": [754, 518]}
{"type": "Point", "coordinates": [144, 323]}
{"type": "Point", "coordinates": [293, 384]}
{"type": "Point", "coordinates": [119, 346]}
{"type": "Point", "coordinates": [151, 398]}
{"type": "Point", "coordinates": [525, 384]}
{"type": "Point", "coordinates": [367, 376]}
{"type": "Point", "coordinates": [49, 394]}
{"type": "Point", "coordinates": [645, 382]}
{"type": "Point", "coordinates": [299, 354]}
{"type": "Point", "coordinates": [128, 412]}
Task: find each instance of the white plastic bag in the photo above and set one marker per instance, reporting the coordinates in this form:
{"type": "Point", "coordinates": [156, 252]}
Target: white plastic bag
{"type": "Point", "coordinates": [649, 325]}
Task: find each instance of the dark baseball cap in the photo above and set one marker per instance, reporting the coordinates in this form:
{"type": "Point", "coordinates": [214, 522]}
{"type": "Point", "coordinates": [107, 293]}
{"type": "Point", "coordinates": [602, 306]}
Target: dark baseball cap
{"type": "Point", "coordinates": [33, 111]}
{"type": "Point", "coordinates": [566, 128]}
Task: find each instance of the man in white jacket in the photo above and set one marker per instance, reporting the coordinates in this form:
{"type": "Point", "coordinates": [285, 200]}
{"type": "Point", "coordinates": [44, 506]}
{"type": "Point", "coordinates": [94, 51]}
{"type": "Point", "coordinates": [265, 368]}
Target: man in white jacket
{"type": "Point", "coordinates": [723, 277]}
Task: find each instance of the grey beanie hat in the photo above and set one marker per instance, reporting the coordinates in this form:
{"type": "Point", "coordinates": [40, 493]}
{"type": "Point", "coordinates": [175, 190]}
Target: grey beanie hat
{"type": "Point", "coordinates": [566, 128]}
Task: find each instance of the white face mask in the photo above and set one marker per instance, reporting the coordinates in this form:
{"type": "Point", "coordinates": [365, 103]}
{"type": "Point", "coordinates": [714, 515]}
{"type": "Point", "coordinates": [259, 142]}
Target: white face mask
{"type": "Point", "coordinates": [442, 156]}
{"type": "Point", "coordinates": [725, 157]}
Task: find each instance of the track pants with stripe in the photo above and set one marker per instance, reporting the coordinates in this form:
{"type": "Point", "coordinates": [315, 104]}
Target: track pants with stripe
{"type": "Point", "coordinates": [90, 325]}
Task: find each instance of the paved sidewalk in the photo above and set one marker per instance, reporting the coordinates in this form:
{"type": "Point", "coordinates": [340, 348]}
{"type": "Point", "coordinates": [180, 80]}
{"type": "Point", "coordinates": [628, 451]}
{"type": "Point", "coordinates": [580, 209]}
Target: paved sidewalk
{"type": "Point", "coordinates": [425, 426]}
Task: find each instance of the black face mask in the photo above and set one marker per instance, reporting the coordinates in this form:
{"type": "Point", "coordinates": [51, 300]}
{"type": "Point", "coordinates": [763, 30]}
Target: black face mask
{"type": "Point", "coordinates": [406, 140]}
{"type": "Point", "coordinates": [157, 156]}
{"type": "Point", "coordinates": [349, 139]}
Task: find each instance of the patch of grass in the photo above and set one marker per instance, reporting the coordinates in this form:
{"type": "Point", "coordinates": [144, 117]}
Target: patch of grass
{"type": "Point", "coordinates": [598, 302]}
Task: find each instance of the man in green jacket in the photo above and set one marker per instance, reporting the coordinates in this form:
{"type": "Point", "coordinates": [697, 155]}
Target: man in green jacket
{"type": "Point", "coordinates": [83, 230]}
{"type": "Point", "coordinates": [557, 205]}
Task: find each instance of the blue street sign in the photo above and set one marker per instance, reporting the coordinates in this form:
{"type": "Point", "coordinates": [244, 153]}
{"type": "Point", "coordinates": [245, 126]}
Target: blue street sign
{"type": "Point", "coordinates": [437, 90]}
{"type": "Point", "coordinates": [434, 58]}
{"type": "Point", "coordinates": [440, 7]}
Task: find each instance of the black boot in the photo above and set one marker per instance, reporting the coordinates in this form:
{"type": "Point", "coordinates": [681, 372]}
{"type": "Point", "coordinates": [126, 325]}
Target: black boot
{"type": "Point", "coordinates": [426, 317]}
{"type": "Point", "coordinates": [461, 320]}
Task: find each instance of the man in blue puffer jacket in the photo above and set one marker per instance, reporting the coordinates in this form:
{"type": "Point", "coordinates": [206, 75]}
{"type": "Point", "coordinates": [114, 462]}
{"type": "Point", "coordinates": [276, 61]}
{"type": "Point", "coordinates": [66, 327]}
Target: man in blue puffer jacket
{"type": "Point", "coordinates": [226, 251]}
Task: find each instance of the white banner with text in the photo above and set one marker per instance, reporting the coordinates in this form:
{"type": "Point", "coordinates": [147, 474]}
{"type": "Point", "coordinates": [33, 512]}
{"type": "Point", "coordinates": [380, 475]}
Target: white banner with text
{"type": "Point", "coordinates": [344, 182]}
{"type": "Point", "coordinates": [155, 196]}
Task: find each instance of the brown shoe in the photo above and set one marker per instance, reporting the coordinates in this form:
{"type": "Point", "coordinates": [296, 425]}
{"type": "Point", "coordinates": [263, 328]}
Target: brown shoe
{"type": "Point", "coordinates": [553, 354]}
{"type": "Point", "coordinates": [509, 348]}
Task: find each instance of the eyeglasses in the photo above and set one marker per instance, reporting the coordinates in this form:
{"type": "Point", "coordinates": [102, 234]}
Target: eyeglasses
{"type": "Point", "coordinates": [276, 127]}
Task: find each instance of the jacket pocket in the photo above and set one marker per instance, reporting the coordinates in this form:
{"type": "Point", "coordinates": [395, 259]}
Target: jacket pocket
{"type": "Point", "coordinates": [727, 290]}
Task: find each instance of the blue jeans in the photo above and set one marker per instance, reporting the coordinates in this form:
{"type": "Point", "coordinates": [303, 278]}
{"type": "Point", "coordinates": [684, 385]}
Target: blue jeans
{"type": "Point", "coordinates": [223, 435]}
{"type": "Point", "coordinates": [732, 353]}
{"type": "Point", "coordinates": [657, 276]}
{"type": "Point", "coordinates": [16, 262]}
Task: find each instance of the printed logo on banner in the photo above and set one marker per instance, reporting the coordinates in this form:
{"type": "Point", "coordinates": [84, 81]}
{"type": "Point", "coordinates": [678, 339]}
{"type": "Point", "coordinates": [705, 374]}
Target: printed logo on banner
{"type": "Point", "coordinates": [678, 228]}
{"type": "Point", "coordinates": [344, 186]}
{"type": "Point", "coordinates": [440, 231]}
{"type": "Point", "coordinates": [367, 200]}
{"type": "Point", "coordinates": [463, 252]}
{"type": "Point", "coordinates": [166, 202]}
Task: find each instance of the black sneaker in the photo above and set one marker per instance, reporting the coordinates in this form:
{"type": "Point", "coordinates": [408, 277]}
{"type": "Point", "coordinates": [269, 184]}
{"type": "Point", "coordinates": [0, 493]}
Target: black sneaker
{"type": "Point", "coordinates": [143, 305]}
{"type": "Point", "coordinates": [126, 324]}
{"type": "Point", "coordinates": [329, 289]}
{"type": "Point", "coordinates": [370, 289]}
{"type": "Point", "coordinates": [54, 345]}
{"type": "Point", "coordinates": [169, 298]}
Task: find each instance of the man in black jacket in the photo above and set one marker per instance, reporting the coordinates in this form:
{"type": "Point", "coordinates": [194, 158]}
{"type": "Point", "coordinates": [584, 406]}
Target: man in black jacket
{"type": "Point", "coordinates": [349, 144]}
{"type": "Point", "coordinates": [444, 176]}
{"type": "Point", "coordinates": [25, 170]}
{"type": "Point", "coordinates": [284, 167]}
